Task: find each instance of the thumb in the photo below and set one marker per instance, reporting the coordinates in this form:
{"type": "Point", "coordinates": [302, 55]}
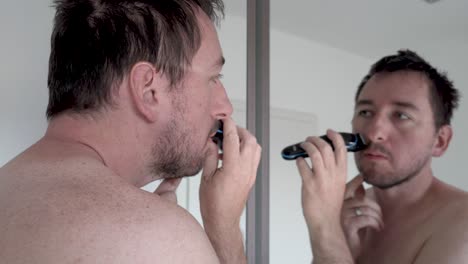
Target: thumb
{"type": "Point", "coordinates": [211, 162]}
{"type": "Point", "coordinates": [167, 189]}
{"type": "Point", "coordinates": [354, 188]}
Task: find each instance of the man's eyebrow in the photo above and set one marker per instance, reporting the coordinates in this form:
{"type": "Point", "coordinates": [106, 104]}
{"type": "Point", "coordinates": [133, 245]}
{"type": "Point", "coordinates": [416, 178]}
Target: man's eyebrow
{"type": "Point", "coordinates": [366, 102]}
{"type": "Point", "coordinates": [406, 105]}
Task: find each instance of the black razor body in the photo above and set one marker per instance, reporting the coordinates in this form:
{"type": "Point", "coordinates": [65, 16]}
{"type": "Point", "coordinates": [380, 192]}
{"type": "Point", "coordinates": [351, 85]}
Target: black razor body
{"type": "Point", "coordinates": [218, 137]}
{"type": "Point", "coordinates": [353, 143]}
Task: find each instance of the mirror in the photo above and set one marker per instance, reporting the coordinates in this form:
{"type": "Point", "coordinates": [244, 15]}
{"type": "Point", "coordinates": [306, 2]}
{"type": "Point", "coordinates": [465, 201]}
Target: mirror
{"type": "Point", "coordinates": [320, 51]}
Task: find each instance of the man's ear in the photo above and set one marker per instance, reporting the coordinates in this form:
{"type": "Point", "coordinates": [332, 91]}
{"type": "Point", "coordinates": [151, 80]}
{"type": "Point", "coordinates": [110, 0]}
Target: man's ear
{"type": "Point", "coordinates": [145, 89]}
{"type": "Point", "coordinates": [443, 137]}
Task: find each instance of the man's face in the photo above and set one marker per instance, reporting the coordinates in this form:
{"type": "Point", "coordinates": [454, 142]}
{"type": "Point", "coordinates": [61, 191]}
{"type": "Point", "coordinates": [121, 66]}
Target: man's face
{"type": "Point", "coordinates": [394, 114]}
{"type": "Point", "coordinates": [197, 103]}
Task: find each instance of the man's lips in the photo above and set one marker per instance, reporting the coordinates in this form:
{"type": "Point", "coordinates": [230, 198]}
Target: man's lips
{"type": "Point", "coordinates": [374, 155]}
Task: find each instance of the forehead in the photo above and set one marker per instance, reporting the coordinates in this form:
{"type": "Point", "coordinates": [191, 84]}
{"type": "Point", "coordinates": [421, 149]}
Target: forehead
{"type": "Point", "coordinates": [209, 54]}
{"type": "Point", "coordinates": [400, 86]}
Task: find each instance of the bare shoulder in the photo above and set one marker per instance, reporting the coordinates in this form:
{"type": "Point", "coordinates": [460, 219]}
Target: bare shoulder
{"type": "Point", "coordinates": [449, 240]}
{"type": "Point", "coordinates": [87, 215]}
{"type": "Point", "coordinates": [143, 228]}
{"type": "Point", "coordinates": [455, 205]}
{"type": "Point", "coordinates": [169, 232]}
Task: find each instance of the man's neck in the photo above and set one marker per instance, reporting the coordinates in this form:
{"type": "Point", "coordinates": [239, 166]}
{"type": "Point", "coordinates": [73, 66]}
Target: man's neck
{"type": "Point", "coordinates": [406, 194]}
{"type": "Point", "coordinates": [102, 140]}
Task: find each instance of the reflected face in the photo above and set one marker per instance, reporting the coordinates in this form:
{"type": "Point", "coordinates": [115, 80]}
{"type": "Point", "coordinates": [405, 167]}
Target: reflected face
{"type": "Point", "coordinates": [197, 103]}
{"type": "Point", "coordinates": [394, 113]}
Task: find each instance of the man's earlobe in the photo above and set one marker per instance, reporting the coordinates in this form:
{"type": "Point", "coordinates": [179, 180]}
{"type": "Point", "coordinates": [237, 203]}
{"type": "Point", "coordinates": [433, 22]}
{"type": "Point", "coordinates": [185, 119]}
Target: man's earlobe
{"type": "Point", "coordinates": [443, 138]}
{"type": "Point", "coordinates": [143, 90]}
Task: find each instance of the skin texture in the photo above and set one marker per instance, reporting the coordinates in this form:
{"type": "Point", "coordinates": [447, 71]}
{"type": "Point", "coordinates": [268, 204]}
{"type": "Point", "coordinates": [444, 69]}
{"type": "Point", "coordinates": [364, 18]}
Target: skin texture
{"type": "Point", "coordinates": [409, 216]}
{"type": "Point", "coordinates": [75, 197]}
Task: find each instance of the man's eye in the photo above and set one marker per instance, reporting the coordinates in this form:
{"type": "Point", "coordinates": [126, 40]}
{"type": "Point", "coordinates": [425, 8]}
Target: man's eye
{"type": "Point", "coordinates": [402, 116]}
{"type": "Point", "coordinates": [364, 113]}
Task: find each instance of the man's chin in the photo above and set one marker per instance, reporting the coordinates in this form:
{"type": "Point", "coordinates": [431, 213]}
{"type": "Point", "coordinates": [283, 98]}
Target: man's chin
{"type": "Point", "coordinates": [193, 173]}
{"type": "Point", "coordinates": [180, 172]}
{"type": "Point", "coordinates": [193, 170]}
{"type": "Point", "coordinates": [178, 176]}
{"type": "Point", "coordinates": [383, 183]}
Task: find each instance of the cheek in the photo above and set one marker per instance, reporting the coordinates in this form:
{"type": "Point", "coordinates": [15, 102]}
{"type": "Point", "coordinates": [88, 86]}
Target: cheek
{"type": "Point", "coordinates": [356, 125]}
{"type": "Point", "coordinates": [411, 136]}
{"type": "Point", "coordinates": [411, 147]}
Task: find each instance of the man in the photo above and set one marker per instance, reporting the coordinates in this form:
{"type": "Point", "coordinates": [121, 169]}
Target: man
{"type": "Point", "coordinates": [403, 108]}
{"type": "Point", "coordinates": [135, 96]}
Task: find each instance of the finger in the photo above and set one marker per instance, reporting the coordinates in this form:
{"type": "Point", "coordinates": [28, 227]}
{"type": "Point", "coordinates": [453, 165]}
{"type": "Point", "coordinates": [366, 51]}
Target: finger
{"type": "Point", "coordinates": [365, 211]}
{"type": "Point", "coordinates": [250, 152]}
{"type": "Point", "coordinates": [353, 225]}
{"type": "Point", "coordinates": [314, 155]}
{"type": "Point", "coordinates": [360, 192]}
{"type": "Point", "coordinates": [351, 204]}
{"type": "Point", "coordinates": [352, 186]}
{"type": "Point", "coordinates": [230, 143]}
{"type": "Point", "coordinates": [366, 207]}
{"type": "Point", "coordinates": [248, 143]}
{"type": "Point", "coordinates": [167, 189]}
{"type": "Point", "coordinates": [304, 169]}
{"type": "Point", "coordinates": [325, 150]}
{"type": "Point", "coordinates": [257, 157]}
{"type": "Point", "coordinates": [339, 146]}
{"type": "Point", "coordinates": [210, 164]}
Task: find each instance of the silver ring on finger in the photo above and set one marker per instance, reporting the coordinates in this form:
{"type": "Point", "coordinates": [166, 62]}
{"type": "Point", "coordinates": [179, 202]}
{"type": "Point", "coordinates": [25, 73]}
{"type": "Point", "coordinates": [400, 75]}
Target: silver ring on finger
{"type": "Point", "coordinates": [357, 211]}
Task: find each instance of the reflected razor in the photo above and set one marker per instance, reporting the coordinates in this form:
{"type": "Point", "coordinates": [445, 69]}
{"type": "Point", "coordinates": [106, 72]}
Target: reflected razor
{"type": "Point", "coordinates": [353, 143]}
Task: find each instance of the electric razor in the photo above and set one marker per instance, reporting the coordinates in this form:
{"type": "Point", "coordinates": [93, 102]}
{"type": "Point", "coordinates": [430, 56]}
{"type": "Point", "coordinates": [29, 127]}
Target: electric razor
{"type": "Point", "coordinates": [218, 137]}
{"type": "Point", "coordinates": [353, 143]}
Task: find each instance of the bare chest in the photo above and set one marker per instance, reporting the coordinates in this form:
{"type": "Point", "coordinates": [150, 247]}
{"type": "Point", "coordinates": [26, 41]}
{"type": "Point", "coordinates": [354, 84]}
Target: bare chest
{"type": "Point", "coordinates": [400, 244]}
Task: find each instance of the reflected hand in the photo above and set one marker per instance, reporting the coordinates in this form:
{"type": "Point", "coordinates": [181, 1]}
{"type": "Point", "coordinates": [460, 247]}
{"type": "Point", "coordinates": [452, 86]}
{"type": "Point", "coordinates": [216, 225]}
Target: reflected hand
{"type": "Point", "coordinates": [323, 184]}
{"type": "Point", "coordinates": [358, 213]}
{"type": "Point", "coordinates": [323, 187]}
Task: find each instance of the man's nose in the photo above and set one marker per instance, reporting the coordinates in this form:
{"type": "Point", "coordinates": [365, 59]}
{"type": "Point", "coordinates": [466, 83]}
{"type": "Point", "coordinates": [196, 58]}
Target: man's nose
{"type": "Point", "coordinates": [223, 106]}
{"type": "Point", "coordinates": [376, 129]}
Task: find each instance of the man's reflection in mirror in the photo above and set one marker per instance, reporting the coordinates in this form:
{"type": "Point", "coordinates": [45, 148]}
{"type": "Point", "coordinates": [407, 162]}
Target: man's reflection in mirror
{"type": "Point", "coordinates": [403, 107]}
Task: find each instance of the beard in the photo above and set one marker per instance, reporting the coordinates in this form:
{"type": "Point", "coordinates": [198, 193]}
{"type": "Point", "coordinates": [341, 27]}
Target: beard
{"type": "Point", "coordinates": [375, 176]}
{"type": "Point", "coordinates": [176, 153]}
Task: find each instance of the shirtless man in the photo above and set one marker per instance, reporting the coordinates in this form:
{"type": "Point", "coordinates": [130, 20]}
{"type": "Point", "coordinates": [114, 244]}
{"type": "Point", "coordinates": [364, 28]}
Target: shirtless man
{"type": "Point", "coordinates": [135, 97]}
{"type": "Point", "coordinates": [403, 108]}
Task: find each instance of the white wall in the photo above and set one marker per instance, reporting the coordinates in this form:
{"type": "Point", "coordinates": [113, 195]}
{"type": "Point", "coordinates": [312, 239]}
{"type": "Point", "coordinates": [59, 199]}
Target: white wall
{"type": "Point", "coordinates": [24, 50]}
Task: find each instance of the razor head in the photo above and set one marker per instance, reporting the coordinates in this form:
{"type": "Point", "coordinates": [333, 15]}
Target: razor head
{"type": "Point", "coordinates": [218, 137]}
{"type": "Point", "coordinates": [353, 143]}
